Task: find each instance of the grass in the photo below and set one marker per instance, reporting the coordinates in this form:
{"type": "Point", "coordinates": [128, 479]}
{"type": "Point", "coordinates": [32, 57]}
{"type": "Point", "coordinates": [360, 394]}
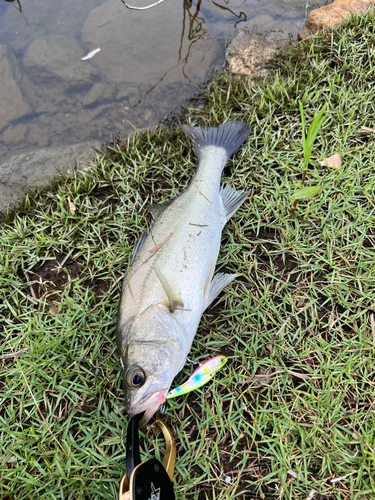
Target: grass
{"type": "Point", "coordinates": [293, 411]}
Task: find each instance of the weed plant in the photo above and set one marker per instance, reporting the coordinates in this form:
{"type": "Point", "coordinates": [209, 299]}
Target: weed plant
{"type": "Point", "coordinates": [292, 416]}
{"type": "Point", "coordinates": [304, 193]}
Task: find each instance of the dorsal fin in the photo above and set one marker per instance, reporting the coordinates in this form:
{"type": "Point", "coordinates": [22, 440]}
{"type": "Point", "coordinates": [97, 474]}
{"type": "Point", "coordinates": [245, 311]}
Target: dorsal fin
{"type": "Point", "coordinates": [158, 209]}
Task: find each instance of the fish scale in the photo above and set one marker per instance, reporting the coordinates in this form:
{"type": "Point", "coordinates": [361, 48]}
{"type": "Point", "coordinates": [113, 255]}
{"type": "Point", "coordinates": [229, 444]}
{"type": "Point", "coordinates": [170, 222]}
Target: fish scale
{"type": "Point", "coordinates": [170, 281]}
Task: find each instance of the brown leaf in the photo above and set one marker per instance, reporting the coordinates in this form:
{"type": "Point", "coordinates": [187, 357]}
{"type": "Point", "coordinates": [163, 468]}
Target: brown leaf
{"type": "Point", "coordinates": [332, 162]}
{"type": "Point", "coordinates": [72, 208]}
{"type": "Point", "coordinates": [54, 310]}
{"type": "Point", "coordinates": [269, 347]}
{"type": "Point", "coordinates": [294, 474]}
{"type": "Point", "coordinates": [14, 354]}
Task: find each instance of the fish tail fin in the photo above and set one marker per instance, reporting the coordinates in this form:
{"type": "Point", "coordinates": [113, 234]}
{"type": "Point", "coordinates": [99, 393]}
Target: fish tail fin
{"type": "Point", "coordinates": [228, 136]}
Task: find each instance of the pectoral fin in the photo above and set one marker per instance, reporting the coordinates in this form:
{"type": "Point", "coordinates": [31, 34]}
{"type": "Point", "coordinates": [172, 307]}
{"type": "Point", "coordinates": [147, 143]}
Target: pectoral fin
{"type": "Point", "coordinates": [220, 281]}
{"type": "Point", "coordinates": [174, 297]}
{"type": "Point", "coordinates": [136, 249]}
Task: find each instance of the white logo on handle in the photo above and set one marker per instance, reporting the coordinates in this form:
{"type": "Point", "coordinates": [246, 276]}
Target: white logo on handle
{"type": "Point", "coordinates": [155, 494]}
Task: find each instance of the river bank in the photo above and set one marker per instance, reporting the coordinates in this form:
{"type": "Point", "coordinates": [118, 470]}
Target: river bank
{"type": "Point", "coordinates": [292, 417]}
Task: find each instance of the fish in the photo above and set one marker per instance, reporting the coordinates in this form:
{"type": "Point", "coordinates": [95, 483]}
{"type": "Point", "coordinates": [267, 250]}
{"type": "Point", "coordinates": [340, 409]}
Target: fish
{"type": "Point", "coordinates": [170, 278]}
{"type": "Point", "coordinates": [199, 377]}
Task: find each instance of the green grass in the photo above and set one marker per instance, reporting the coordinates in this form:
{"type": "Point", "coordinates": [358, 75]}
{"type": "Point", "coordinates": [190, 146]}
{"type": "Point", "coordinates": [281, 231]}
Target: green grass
{"type": "Point", "coordinates": [294, 409]}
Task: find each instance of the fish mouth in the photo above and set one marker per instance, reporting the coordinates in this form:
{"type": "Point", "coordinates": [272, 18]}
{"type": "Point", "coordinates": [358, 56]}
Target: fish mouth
{"type": "Point", "coordinates": [149, 406]}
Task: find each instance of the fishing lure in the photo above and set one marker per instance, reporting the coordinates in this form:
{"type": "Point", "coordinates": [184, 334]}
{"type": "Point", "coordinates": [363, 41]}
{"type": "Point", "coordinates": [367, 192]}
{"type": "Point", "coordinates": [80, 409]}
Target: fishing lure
{"type": "Point", "coordinates": [201, 376]}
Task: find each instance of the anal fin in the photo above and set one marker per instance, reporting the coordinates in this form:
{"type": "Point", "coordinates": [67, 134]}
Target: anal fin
{"type": "Point", "coordinates": [220, 281]}
{"type": "Point", "coordinates": [210, 273]}
{"type": "Point", "coordinates": [174, 298]}
{"type": "Point", "coordinates": [232, 199]}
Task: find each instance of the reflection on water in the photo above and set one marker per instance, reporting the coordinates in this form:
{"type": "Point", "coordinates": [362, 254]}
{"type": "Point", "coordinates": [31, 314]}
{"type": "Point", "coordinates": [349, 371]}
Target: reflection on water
{"type": "Point", "coordinates": [194, 25]}
{"type": "Point", "coordinates": [18, 6]}
{"type": "Point", "coordinates": [149, 62]}
{"type": "Point", "coordinates": [241, 16]}
{"type": "Point", "coordinates": [193, 30]}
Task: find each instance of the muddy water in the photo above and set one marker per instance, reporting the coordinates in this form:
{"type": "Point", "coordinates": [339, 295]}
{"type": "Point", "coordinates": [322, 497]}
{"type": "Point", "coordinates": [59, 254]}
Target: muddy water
{"type": "Point", "coordinates": [149, 62]}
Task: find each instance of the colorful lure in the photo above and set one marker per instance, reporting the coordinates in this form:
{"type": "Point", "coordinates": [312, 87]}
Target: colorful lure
{"type": "Point", "coordinates": [202, 374]}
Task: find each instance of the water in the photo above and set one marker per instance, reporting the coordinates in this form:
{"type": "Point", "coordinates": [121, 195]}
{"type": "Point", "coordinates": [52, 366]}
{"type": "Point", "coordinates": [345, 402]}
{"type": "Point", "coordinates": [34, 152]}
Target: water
{"type": "Point", "coordinates": [149, 62]}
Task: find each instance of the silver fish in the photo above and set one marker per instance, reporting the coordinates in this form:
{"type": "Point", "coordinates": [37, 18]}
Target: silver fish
{"type": "Point", "coordinates": [170, 282]}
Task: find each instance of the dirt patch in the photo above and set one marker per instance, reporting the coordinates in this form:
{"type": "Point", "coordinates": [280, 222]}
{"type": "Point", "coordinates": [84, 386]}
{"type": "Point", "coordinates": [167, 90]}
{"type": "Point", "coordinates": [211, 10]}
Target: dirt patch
{"type": "Point", "coordinates": [106, 195]}
{"type": "Point", "coordinates": [53, 276]}
{"type": "Point", "coordinates": [97, 286]}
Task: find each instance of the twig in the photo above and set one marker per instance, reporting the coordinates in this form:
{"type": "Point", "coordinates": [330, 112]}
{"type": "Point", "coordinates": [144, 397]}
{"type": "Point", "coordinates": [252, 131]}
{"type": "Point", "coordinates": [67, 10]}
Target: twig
{"type": "Point", "coordinates": [249, 469]}
{"type": "Point", "coordinates": [14, 354]}
{"type": "Point", "coordinates": [361, 349]}
{"type": "Point", "coordinates": [141, 8]}
{"type": "Point", "coordinates": [368, 129]}
{"type": "Point", "coordinates": [278, 372]}
{"type": "Point", "coordinates": [333, 481]}
{"type": "Point", "coordinates": [158, 247]}
{"type": "Point", "coordinates": [295, 203]}
{"type": "Point", "coordinates": [30, 286]}
{"type": "Point", "coordinates": [264, 375]}
{"type": "Point", "coordinates": [200, 192]}
{"type": "Point", "coordinates": [299, 375]}
{"type": "Point", "coordinates": [282, 327]}
{"type": "Point", "coordinates": [261, 177]}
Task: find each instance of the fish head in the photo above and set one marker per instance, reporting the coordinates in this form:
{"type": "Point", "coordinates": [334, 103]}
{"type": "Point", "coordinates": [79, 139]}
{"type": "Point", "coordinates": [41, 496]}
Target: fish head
{"type": "Point", "coordinates": [152, 350]}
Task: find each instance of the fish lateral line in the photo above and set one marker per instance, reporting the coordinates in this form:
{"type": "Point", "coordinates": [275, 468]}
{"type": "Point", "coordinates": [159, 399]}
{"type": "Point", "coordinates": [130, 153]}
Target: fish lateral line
{"type": "Point", "coordinates": [198, 225]}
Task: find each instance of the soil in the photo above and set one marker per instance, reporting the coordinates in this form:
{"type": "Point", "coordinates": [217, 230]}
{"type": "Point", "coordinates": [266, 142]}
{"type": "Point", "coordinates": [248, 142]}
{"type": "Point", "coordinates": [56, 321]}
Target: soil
{"type": "Point", "coordinates": [52, 277]}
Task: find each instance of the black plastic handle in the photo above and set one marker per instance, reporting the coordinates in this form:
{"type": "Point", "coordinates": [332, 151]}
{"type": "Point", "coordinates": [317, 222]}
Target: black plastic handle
{"type": "Point", "coordinates": [133, 458]}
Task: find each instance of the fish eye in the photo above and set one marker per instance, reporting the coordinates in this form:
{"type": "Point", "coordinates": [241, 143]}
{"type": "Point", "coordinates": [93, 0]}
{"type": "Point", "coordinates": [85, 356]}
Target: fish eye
{"type": "Point", "coordinates": [135, 377]}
